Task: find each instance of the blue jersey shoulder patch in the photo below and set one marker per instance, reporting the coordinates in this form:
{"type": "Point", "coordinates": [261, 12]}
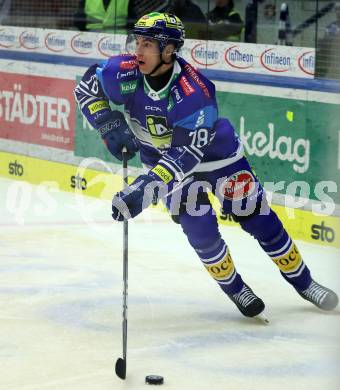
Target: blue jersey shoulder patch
{"type": "Point", "coordinates": [193, 102]}
{"type": "Point", "coordinates": [201, 85]}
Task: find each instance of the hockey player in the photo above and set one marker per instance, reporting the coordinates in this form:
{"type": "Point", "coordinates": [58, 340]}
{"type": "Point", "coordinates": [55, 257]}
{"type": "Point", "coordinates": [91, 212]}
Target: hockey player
{"type": "Point", "coordinates": [172, 112]}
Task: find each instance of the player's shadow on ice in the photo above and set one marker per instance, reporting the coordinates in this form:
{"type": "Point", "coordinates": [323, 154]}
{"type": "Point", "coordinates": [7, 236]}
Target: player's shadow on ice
{"type": "Point", "coordinates": [308, 309]}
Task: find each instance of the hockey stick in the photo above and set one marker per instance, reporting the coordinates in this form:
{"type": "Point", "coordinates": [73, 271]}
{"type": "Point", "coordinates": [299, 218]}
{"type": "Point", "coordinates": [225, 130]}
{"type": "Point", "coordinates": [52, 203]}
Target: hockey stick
{"type": "Point", "coordinates": [121, 362]}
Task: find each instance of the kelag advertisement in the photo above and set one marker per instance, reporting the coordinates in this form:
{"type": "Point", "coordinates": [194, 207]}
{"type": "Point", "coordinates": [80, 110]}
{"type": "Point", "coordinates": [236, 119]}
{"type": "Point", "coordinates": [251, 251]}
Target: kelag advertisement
{"type": "Point", "coordinates": [288, 140]}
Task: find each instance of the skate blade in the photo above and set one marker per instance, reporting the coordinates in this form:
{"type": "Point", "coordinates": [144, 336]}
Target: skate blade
{"type": "Point", "coordinates": [261, 317]}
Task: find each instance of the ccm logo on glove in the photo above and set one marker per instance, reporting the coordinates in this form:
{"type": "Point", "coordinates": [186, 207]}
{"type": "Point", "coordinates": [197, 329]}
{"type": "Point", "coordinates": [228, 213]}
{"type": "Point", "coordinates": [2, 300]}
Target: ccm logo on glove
{"type": "Point", "coordinates": [116, 134]}
{"type": "Point", "coordinates": [109, 127]}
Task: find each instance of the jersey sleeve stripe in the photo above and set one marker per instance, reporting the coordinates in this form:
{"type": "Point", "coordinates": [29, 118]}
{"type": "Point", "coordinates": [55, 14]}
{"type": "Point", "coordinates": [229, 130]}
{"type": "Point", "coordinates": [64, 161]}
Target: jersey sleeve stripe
{"type": "Point", "coordinates": [173, 162]}
{"type": "Point", "coordinates": [178, 175]}
{"type": "Point", "coordinates": [90, 99]}
{"type": "Point", "coordinates": [193, 152]}
{"type": "Point", "coordinates": [99, 73]}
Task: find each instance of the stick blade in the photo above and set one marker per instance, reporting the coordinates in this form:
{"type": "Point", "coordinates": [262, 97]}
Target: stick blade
{"type": "Point", "coordinates": [121, 368]}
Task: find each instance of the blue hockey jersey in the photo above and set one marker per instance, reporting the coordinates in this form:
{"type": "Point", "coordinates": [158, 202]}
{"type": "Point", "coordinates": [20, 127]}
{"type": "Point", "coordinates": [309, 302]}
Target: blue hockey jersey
{"type": "Point", "coordinates": [177, 127]}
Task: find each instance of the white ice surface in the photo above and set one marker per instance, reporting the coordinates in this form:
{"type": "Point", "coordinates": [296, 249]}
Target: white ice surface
{"type": "Point", "coordinates": [61, 292]}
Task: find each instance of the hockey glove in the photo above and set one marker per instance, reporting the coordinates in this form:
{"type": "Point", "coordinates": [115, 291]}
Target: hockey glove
{"type": "Point", "coordinates": [135, 198]}
{"type": "Point", "coordinates": [116, 134]}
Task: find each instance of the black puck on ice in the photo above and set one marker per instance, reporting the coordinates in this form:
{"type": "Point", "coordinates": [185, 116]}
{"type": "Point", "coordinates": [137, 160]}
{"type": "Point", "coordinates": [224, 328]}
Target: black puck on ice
{"type": "Point", "coordinates": [154, 380]}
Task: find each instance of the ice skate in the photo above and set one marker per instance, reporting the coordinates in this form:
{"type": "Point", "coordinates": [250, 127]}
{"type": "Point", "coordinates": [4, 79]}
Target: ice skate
{"type": "Point", "coordinates": [248, 303]}
{"type": "Point", "coordinates": [320, 296]}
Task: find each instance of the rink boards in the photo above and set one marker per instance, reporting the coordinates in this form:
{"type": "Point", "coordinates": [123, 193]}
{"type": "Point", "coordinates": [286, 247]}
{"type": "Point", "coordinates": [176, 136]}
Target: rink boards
{"type": "Point", "coordinates": [288, 125]}
{"type": "Point", "coordinates": [82, 179]}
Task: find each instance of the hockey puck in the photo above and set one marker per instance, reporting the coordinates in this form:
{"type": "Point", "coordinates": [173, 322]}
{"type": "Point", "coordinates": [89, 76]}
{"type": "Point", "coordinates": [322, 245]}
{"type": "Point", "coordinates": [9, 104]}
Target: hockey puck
{"type": "Point", "coordinates": [154, 380]}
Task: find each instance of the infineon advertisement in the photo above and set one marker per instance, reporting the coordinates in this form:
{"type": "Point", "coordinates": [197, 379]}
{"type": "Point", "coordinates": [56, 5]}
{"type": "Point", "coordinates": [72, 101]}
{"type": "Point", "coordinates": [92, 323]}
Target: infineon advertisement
{"type": "Point", "coordinates": [216, 55]}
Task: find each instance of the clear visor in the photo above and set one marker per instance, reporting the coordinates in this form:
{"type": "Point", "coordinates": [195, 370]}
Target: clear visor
{"type": "Point", "coordinates": [138, 43]}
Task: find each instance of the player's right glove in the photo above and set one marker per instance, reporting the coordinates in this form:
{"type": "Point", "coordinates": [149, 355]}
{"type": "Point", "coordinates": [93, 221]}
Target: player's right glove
{"type": "Point", "coordinates": [116, 134]}
{"type": "Point", "coordinates": [131, 201]}
{"type": "Point", "coordinates": [136, 197]}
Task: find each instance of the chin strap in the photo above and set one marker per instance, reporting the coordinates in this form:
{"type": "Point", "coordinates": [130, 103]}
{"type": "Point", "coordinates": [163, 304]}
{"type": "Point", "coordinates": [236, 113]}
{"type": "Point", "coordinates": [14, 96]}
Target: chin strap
{"type": "Point", "coordinates": [173, 57]}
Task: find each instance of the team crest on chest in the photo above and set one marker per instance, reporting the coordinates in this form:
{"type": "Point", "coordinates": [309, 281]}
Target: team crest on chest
{"type": "Point", "coordinates": [159, 130]}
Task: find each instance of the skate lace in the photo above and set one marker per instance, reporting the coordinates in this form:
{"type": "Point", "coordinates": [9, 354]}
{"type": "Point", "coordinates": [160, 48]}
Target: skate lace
{"type": "Point", "coordinates": [245, 296]}
{"type": "Point", "coordinates": [315, 292]}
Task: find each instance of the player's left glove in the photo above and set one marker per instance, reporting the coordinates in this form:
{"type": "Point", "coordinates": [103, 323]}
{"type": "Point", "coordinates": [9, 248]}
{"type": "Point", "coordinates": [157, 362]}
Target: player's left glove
{"type": "Point", "coordinates": [116, 134]}
{"type": "Point", "coordinates": [135, 198]}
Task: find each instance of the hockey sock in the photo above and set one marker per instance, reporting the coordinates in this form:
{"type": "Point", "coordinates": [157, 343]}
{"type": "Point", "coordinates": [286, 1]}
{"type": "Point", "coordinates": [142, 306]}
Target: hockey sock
{"type": "Point", "coordinates": [205, 238]}
{"type": "Point", "coordinates": [279, 246]}
{"type": "Point", "coordinates": [285, 254]}
{"type": "Point", "coordinates": [218, 262]}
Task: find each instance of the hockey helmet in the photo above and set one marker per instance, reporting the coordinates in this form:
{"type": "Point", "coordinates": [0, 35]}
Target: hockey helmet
{"type": "Point", "coordinates": [164, 28]}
